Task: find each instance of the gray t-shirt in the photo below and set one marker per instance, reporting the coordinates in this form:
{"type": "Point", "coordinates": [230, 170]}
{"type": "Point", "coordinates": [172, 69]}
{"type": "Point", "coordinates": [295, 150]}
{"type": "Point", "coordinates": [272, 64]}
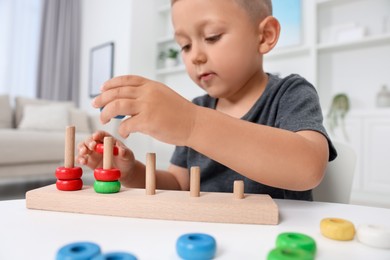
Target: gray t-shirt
{"type": "Point", "coordinates": [289, 103]}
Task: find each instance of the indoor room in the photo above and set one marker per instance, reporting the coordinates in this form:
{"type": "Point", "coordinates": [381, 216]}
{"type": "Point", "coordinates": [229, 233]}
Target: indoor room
{"type": "Point", "coordinates": [55, 56]}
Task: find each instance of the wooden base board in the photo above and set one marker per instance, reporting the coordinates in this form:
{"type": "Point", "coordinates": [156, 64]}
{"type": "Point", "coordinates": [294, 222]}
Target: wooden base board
{"type": "Point", "coordinates": [168, 205]}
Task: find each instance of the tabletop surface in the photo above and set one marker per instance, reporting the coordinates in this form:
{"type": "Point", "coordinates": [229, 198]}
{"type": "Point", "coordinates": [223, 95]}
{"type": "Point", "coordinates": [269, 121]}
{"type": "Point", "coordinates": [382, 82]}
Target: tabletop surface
{"type": "Point", "coordinates": [35, 234]}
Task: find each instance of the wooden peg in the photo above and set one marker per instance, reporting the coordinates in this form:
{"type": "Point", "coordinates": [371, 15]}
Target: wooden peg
{"type": "Point", "coordinates": [195, 181]}
{"type": "Point", "coordinates": [69, 146]}
{"type": "Point", "coordinates": [238, 189]}
{"type": "Point", "coordinates": [107, 154]}
{"type": "Point", "coordinates": [150, 178]}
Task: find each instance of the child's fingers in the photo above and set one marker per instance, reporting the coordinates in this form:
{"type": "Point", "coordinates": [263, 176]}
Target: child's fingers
{"type": "Point", "coordinates": [124, 153]}
{"type": "Point", "coordinates": [125, 92]}
{"type": "Point", "coordinates": [128, 107]}
{"type": "Point", "coordinates": [98, 136]}
{"type": "Point", "coordinates": [125, 80]}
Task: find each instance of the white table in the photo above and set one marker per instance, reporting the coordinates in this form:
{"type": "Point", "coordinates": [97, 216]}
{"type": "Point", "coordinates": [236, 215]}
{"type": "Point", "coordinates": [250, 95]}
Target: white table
{"type": "Point", "coordinates": [34, 234]}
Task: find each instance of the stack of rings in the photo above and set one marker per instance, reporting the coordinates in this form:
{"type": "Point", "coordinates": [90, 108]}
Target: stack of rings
{"type": "Point", "coordinates": [69, 179]}
{"type": "Point", "coordinates": [293, 246]}
{"type": "Point", "coordinates": [337, 229]}
{"type": "Point", "coordinates": [106, 179]}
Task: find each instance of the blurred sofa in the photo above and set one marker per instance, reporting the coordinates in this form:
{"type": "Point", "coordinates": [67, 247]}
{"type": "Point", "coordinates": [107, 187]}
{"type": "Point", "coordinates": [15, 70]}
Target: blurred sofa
{"type": "Point", "coordinates": [32, 135]}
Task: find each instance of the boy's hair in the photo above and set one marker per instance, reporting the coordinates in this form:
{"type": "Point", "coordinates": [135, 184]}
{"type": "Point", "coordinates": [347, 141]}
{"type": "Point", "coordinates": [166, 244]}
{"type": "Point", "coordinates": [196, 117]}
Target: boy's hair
{"type": "Point", "coordinates": [256, 9]}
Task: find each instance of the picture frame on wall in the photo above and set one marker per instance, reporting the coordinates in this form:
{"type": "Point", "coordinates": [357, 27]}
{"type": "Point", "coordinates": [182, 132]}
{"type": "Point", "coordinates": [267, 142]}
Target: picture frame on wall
{"type": "Point", "coordinates": [101, 66]}
{"type": "Point", "coordinates": [289, 15]}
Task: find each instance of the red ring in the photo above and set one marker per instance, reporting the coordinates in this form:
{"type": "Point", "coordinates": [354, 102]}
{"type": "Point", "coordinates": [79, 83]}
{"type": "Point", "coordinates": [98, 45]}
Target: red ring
{"type": "Point", "coordinates": [107, 174]}
{"type": "Point", "coordinates": [69, 185]}
{"type": "Point", "coordinates": [63, 173]}
{"type": "Point", "coordinates": [100, 149]}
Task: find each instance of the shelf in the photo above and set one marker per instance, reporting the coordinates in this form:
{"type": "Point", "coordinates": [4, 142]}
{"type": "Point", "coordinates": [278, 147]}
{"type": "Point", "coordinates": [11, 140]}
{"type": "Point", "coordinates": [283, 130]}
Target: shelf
{"type": "Point", "coordinates": [287, 52]}
{"type": "Point", "coordinates": [368, 41]}
{"type": "Point", "coordinates": [332, 2]}
{"type": "Point", "coordinates": [173, 70]}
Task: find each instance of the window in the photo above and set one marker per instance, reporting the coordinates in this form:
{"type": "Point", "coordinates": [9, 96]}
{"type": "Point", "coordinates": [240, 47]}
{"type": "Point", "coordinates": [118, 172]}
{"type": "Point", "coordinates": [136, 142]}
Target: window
{"type": "Point", "coordinates": [19, 46]}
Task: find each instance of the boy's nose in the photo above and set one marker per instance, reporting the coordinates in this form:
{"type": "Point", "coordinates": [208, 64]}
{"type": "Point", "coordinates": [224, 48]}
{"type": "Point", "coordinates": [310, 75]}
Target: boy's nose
{"type": "Point", "coordinates": [198, 56]}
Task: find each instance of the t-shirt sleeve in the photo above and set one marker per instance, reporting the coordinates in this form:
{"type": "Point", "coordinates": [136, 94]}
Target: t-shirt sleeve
{"type": "Point", "coordinates": [299, 109]}
{"type": "Point", "coordinates": [179, 156]}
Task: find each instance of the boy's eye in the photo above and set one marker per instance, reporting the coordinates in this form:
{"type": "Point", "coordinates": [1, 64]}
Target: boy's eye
{"type": "Point", "coordinates": [213, 38]}
{"type": "Point", "coordinates": [186, 47]}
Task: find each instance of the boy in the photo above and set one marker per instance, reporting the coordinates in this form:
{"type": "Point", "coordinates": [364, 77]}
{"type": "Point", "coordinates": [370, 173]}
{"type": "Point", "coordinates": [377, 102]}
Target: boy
{"type": "Point", "coordinates": [251, 125]}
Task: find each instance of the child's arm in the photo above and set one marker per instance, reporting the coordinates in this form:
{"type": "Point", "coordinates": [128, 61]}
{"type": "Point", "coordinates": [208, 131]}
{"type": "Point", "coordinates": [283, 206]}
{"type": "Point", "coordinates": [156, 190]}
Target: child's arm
{"type": "Point", "coordinates": [132, 171]}
{"type": "Point", "coordinates": [274, 157]}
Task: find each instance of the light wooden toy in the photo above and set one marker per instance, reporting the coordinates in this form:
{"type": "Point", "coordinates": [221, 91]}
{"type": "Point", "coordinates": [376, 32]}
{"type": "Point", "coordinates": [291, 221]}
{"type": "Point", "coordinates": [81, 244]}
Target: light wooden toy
{"type": "Point", "coordinates": [69, 176]}
{"type": "Point", "coordinates": [150, 203]}
{"type": "Point", "coordinates": [107, 178]}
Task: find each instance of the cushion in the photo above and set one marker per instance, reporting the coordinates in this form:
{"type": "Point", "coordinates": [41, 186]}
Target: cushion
{"type": "Point", "coordinates": [21, 147]}
{"type": "Point", "coordinates": [80, 120]}
{"type": "Point", "coordinates": [6, 112]}
{"type": "Point", "coordinates": [51, 117]}
{"type": "Point", "coordinates": [21, 102]}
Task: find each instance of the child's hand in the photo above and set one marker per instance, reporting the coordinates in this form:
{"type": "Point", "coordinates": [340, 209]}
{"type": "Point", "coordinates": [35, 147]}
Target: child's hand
{"type": "Point", "coordinates": [154, 109]}
{"type": "Point", "coordinates": [87, 155]}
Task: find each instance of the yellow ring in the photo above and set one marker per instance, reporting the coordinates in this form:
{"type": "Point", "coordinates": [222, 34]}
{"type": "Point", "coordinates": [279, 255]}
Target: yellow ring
{"type": "Point", "coordinates": [337, 229]}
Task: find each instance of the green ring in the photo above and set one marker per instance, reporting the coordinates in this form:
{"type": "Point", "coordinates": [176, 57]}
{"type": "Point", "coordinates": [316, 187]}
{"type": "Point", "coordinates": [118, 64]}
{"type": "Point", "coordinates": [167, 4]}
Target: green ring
{"type": "Point", "coordinates": [296, 240]}
{"type": "Point", "coordinates": [285, 253]}
{"type": "Point", "coordinates": [107, 186]}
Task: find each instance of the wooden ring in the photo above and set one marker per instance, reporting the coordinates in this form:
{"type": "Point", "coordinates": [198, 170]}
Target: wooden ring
{"type": "Point", "coordinates": [107, 186]}
{"type": "Point", "coordinates": [115, 255]}
{"type": "Point", "coordinates": [101, 174]}
{"type": "Point", "coordinates": [196, 246]}
{"type": "Point", "coordinates": [337, 229]}
{"type": "Point", "coordinates": [288, 253]}
{"type": "Point", "coordinates": [69, 185]}
{"type": "Point", "coordinates": [78, 250]}
{"type": "Point", "coordinates": [296, 240]}
{"type": "Point", "coordinates": [64, 173]}
{"type": "Point", "coordinates": [375, 236]}
{"type": "Point", "coordinates": [100, 149]}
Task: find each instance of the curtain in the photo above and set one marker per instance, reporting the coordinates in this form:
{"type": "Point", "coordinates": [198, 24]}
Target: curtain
{"type": "Point", "coordinates": [19, 43]}
{"type": "Point", "coordinates": [59, 55]}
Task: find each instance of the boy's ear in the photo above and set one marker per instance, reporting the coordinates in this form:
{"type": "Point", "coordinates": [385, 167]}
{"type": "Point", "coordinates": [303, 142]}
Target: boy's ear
{"type": "Point", "coordinates": [269, 31]}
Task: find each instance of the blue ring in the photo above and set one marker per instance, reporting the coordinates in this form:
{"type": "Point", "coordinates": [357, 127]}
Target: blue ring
{"type": "Point", "coordinates": [197, 246]}
{"type": "Point", "coordinates": [117, 117]}
{"type": "Point", "coordinates": [116, 256]}
{"type": "Point", "coordinates": [78, 251]}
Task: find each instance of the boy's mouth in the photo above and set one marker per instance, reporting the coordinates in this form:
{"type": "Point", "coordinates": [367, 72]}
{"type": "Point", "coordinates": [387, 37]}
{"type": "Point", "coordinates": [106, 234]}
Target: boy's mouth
{"type": "Point", "coordinates": [206, 76]}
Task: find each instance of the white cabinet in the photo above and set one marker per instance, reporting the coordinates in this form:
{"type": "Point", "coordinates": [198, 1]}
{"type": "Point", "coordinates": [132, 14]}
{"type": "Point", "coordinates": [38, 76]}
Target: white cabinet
{"type": "Point", "coordinates": [368, 132]}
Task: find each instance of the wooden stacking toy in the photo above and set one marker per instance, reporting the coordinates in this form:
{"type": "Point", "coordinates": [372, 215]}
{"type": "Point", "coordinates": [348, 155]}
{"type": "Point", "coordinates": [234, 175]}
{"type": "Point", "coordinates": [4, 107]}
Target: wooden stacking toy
{"type": "Point", "coordinates": [149, 202]}
{"type": "Point", "coordinates": [107, 178]}
{"type": "Point", "coordinates": [69, 176]}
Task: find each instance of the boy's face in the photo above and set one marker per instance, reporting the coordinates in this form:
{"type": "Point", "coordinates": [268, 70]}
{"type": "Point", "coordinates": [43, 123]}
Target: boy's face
{"type": "Point", "coordinates": [219, 44]}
